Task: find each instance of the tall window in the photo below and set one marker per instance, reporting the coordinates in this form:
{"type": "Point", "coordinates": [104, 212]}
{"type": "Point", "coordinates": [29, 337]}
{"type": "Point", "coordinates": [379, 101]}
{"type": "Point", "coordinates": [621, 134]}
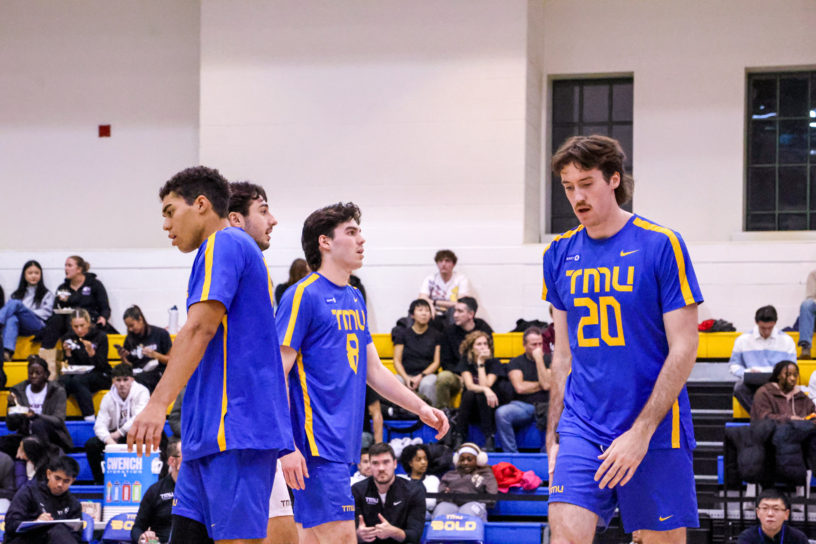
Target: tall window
{"type": "Point", "coordinates": [780, 186]}
{"type": "Point", "coordinates": [586, 107]}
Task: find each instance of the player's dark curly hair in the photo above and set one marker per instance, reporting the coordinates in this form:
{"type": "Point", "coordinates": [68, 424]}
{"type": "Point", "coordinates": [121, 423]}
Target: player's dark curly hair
{"type": "Point", "coordinates": [197, 181]}
{"type": "Point", "coordinates": [601, 152]}
{"type": "Point", "coordinates": [242, 193]}
{"type": "Point", "coordinates": [322, 222]}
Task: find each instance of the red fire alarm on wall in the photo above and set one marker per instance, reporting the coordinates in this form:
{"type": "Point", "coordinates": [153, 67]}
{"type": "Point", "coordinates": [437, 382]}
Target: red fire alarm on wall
{"type": "Point", "coordinates": [104, 131]}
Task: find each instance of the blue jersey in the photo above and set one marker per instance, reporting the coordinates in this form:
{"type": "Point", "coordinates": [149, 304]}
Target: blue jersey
{"type": "Point", "coordinates": [615, 292]}
{"type": "Point", "coordinates": [328, 326]}
{"type": "Point", "coordinates": [236, 398]}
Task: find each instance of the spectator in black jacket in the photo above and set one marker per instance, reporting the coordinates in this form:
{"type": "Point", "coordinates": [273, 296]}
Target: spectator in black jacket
{"type": "Point", "coordinates": [37, 407]}
{"type": "Point", "coordinates": [298, 270]}
{"type": "Point", "coordinates": [449, 381]}
{"type": "Point", "coordinates": [400, 516]}
{"type": "Point", "coordinates": [46, 500]}
{"type": "Point", "coordinates": [773, 510]}
{"type": "Point", "coordinates": [153, 519]}
{"type": "Point", "coordinates": [145, 347]}
{"type": "Point", "coordinates": [86, 345]}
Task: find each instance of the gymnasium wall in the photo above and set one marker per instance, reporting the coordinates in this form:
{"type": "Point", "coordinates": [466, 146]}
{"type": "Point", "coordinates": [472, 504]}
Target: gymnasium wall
{"type": "Point", "coordinates": [427, 114]}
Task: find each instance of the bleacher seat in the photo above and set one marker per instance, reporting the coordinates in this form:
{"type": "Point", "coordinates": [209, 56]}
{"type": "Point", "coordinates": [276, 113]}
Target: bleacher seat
{"type": "Point", "coordinates": [85, 474]}
{"type": "Point", "coordinates": [537, 462]}
{"type": "Point", "coordinates": [509, 532]}
{"type": "Point", "coordinates": [118, 529]}
{"type": "Point", "coordinates": [87, 528]}
{"type": "Point", "coordinates": [530, 508]}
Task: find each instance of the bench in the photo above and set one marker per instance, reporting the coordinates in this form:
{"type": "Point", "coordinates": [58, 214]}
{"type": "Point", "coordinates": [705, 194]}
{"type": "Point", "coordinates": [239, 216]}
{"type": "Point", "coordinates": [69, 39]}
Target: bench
{"type": "Point", "coordinates": [508, 531]}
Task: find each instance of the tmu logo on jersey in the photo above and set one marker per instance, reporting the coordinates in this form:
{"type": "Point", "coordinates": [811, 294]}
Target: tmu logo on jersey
{"type": "Point", "coordinates": [351, 320]}
{"type": "Point", "coordinates": [603, 321]}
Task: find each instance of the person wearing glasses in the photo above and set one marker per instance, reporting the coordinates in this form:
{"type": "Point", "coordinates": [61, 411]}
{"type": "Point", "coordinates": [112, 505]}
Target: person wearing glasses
{"type": "Point", "coordinates": [773, 510]}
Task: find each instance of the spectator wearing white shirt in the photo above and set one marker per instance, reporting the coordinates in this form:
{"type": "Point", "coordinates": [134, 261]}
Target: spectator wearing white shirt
{"type": "Point", "coordinates": [758, 351]}
{"type": "Point", "coordinates": [119, 407]}
{"type": "Point", "coordinates": [444, 287]}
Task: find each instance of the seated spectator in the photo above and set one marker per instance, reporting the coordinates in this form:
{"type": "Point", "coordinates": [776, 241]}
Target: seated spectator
{"type": "Point", "coordinates": [36, 407]}
{"type": "Point", "coordinates": [449, 381]}
{"type": "Point", "coordinates": [27, 310]}
{"type": "Point", "coordinates": [388, 509]}
{"type": "Point", "coordinates": [772, 510]}
{"type": "Point", "coordinates": [298, 270]}
{"type": "Point", "coordinates": [85, 345]}
{"type": "Point", "coordinates": [444, 287]}
{"type": "Point", "coordinates": [414, 460]}
{"type": "Point", "coordinates": [80, 290]}
{"type": "Point", "coordinates": [781, 399]}
{"type": "Point", "coordinates": [530, 376]}
{"type": "Point", "coordinates": [363, 468]}
{"type": "Point", "coordinates": [807, 312]}
{"type": "Point", "coordinates": [46, 500]}
{"type": "Point", "coordinates": [471, 475]}
{"type": "Point", "coordinates": [32, 460]}
{"type": "Point", "coordinates": [372, 419]}
{"type": "Point", "coordinates": [758, 351]}
{"type": "Point", "coordinates": [145, 348]}
{"type": "Point", "coordinates": [480, 373]}
{"type": "Point", "coordinates": [417, 351]}
{"type": "Point", "coordinates": [174, 419]}
{"type": "Point", "coordinates": [153, 519]}
{"type": "Point", "coordinates": [119, 407]}
{"type": "Point", "coordinates": [7, 484]}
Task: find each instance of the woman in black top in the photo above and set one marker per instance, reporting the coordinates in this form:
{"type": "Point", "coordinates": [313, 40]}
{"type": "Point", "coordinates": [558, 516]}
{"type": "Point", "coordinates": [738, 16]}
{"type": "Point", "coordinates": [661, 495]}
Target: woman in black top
{"type": "Point", "coordinates": [146, 348]}
{"type": "Point", "coordinates": [86, 345]}
{"type": "Point", "coordinates": [297, 271]}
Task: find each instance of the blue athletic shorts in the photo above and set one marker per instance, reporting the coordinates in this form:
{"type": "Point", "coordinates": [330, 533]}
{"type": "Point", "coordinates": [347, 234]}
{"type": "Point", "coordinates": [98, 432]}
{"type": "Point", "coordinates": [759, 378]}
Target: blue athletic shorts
{"type": "Point", "coordinates": [659, 497]}
{"type": "Point", "coordinates": [228, 492]}
{"type": "Point", "coordinates": [327, 496]}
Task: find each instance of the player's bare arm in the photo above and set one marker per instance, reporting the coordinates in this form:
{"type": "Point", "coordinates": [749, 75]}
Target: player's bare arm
{"type": "Point", "coordinates": [203, 320]}
{"type": "Point", "coordinates": [293, 465]}
{"type": "Point", "coordinates": [626, 452]}
{"type": "Point", "coordinates": [561, 364]}
{"type": "Point", "coordinates": [384, 382]}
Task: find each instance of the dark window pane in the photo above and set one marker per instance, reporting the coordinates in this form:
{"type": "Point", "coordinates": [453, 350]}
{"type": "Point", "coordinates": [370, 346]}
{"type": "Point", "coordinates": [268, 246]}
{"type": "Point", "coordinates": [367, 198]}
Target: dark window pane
{"type": "Point", "coordinates": [565, 102]}
{"type": "Point", "coordinates": [813, 140]}
{"type": "Point", "coordinates": [761, 221]}
{"type": "Point", "coordinates": [793, 144]}
{"type": "Point", "coordinates": [561, 210]}
{"type": "Point", "coordinates": [560, 135]}
{"type": "Point", "coordinates": [596, 103]}
{"type": "Point", "coordinates": [763, 142]}
{"type": "Point", "coordinates": [792, 221]}
{"type": "Point", "coordinates": [563, 224]}
{"type": "Point", "coordinates": [793, 96]}
{"type": "Point", "coordinates": [813, 221]}
{"type": "Point", "coordinates": [793, 188]}
{"type": "Point", "coordinates": [813, 188]}
{"type": "Point", "coordinates": [622, 101]}
{"type": "Point", "coordinates": [623, 134]}
{"type": "Point", "coordinates": [813, 93]}
{"type": "Point", "coordinates": [589, 130]}
{"type": "Point", "coordinates": [763, 98]}
{"type": "Point", "coordinates": [761, 189]}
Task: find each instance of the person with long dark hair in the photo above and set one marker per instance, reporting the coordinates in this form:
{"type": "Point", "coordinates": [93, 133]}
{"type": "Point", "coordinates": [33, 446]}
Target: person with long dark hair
{"type": "Point", "coordinates": [85, 346]}
{"type": "Point", "coordinates": [145, 347]}
{"type": "Point", "coordinates": [298, 270]}
{"type": "Point", "coordinates": [27, 310]}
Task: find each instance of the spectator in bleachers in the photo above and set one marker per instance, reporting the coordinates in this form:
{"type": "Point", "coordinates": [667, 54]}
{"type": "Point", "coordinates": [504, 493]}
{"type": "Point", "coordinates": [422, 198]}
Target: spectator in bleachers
{"type": "Point", "coordinates": [772, 510]}
{"type": "Point", "coordinates": [154, 516]}
{"type": "Point", "coordinates": [781, 399]}
{"type": "Point", "coordinates": [414, 461]}
{"type": "Point", "coordinates": [807, 313]}
{"type": "Point", "coordinates": [480, 374]}
{"type": "Point", "coordinates": [372, 419]}
{"type": "Point", "coordinates": [529, 374]}
{"type": "Point", "coordinates": [85, 346]}
{"type": "Point", "coordinates": [363, 468]}
{"type": "Point", "coordinates": [417, 351]}
{"type": "Point", "coordinates": [27, 310]}
{"type": "Point", "coordinates": [145, 347]}
{"type": "Point", "coordinates": [757, 352]}
{"type": "Point", "coordinates": [471, 475]}
{"type": "Point", "coordinates": [174, 419]}
{"type": "Point", "coordinates": [297, 271]}
{"type": "Point", "coordinates": [119, 407]}
{"type": "Point", "coordinates": [36, 407]}
{"type": "Point", "coordinates": [46, 500]}
{"type": "Point", "coordinates": [445, 286]}
{"type": "Point", "coordinates": [449, 381]}
{"type": "Point", "coordinates": [7, 486]}
{"type": "Point", "coordinates": [31, 460]}
{"type": "Point", "coordinates": [388, 509]}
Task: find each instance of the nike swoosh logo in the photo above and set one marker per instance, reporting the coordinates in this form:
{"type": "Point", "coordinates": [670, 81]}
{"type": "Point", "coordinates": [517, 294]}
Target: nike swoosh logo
{"type": "Point", "coordinates": [397, 502]}
{"type": "Point", "coordinates": [625, 253]}
{"type": "Point", "coordinates": [661, 518]}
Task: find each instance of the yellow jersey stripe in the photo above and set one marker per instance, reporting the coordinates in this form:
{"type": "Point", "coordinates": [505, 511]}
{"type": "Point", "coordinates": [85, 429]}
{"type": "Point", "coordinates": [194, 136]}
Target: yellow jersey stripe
{"type": "Point", "coordinates": [675, 433]}
{"type": "Point", "coordinates": [269, 285]}
{"type": "Point", "coordinates": [208, 261]}
{"type": "Point", "coordinates": [290, 328]}
{"type": "Point", "coordinates": [568, 234]}
{"type": "Point", "coordinates": [222, 434]}
{"type": "Point", "coordinates": [308, 423]}
{"type": "Point", "coordinates": [678, 256]}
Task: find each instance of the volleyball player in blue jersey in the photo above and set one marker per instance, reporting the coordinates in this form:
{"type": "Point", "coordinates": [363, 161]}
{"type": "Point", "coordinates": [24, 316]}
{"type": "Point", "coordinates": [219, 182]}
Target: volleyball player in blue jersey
{"type": "Point", "coordinates": [325, 341]}
{"type": "Point", "coordinates": [235, 421]}
{"type": "Point", "coordinates": [625, 301]}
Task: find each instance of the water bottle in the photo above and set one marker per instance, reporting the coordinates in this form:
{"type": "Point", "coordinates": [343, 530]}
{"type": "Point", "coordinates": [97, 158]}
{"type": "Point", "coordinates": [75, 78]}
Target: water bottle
{"type": "Point", "coordinates": [172, 325]}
